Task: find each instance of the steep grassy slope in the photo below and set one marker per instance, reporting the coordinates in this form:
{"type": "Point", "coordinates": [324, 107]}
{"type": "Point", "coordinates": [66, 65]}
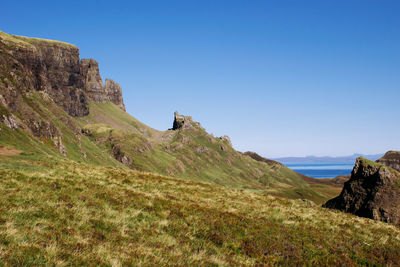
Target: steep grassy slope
{"type": "Point", "coordinates": [77, 146]}
{"type": "Point", "coordinates": [58, 211]}
{"type": "Point", "coordinates": [194, 154]}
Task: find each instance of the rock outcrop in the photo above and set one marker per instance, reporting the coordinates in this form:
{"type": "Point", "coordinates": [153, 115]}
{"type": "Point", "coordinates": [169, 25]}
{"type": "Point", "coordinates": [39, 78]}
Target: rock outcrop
{"type": "Point", "coordinates": [29, 65]}
{"type": "Point", "coordinates": [94, 87]}
{"type": "Point", "coordinates": [257, 157]}
{"type": "Point", "coordinates": [373, 191]}
{"type": "Point", "coordinates": [183, 122]}
{"type": "Point", "coordinates": [391, 159]}
{"type": "Point", "coordinates": [226, 139]}
{"type": "Point", "coordinates": [52, 71]}
{"type": "Point", "coordinates": [114, 93]}
{"type": "Point", "coordinates": [95, 90]}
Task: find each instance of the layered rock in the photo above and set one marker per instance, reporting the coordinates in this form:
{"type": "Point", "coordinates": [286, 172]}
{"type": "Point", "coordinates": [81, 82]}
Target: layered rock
{"type": "Point", "coordinates": [29, 64]}
{"type": "Point", "coordinates": [391, 159]}
{"type": "Point", "coordinates": [94, 87]}
{"type": "Point", "coordinates": [373, 191]}
{"type": "Point", "coordinates": [183, 122]}
{"type": "Point", "coordinates": [114, 93]}
{"type": "Point", "coordinates": [32, 68]}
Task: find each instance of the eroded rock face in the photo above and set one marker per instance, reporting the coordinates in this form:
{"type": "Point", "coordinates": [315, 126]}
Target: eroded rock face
{"type": "Point", "coordinates": [120, 156]}
{"type": "Point", "coordinates": [391, 159]}
{"type": "Point", "coordinates": [29, 65]}
{"type": "Point", "coordinates": [94, 87]}
{"type": "Point", "coordinates": [37, 65]}
{"type": "Point", "coordinates": [10, 121]}
{"type": "Point", "coordinates": [373, 191]}
{"type": "Point", "coordinates": [183, 122]}
{"type": "Point", "coordinates": [114, 93]}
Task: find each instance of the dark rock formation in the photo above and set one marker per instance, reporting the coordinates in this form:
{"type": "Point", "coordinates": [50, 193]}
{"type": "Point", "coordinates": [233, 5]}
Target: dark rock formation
{"type": "Point", "coordinates": [391, 159]}
{"type": "Point", "coordinates": [373, 191]}
{"type": "Point", "coordinates": [226, 139]}
{"type": "Point", "coordinates": [29, 64]}
{"type": "Point", "coordinates": [95, 90]}
{"type": "Point", "coordinates": [120, 156]}
{"type": "Point", "coordinates": [114, 93]}
{"type": "Point", "coordinates": [94, 87]}
{"type": "Point", "coordinates": [33, 68]}
{"type": "Point", "coordinates": [183, 122]}
{"type": "Point", "coordinates": [257, 157]}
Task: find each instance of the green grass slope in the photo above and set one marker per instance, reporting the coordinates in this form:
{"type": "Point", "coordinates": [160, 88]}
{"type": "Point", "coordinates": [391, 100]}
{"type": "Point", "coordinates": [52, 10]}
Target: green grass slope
{"type": "Point", "coordinates": [60, 212]}
{"type": "Point", "coordinates": [193, 154]}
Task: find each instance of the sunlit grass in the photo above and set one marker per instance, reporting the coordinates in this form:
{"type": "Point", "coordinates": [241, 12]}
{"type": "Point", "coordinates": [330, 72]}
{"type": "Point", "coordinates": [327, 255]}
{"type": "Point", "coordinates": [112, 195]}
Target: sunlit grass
{"type": "Point", "coordinates": [68, 213]}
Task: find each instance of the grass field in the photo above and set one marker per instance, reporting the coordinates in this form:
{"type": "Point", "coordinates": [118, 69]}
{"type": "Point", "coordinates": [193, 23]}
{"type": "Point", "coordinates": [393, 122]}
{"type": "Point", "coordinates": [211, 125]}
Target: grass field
{"type": "Point", "coordinates": [60, 212]}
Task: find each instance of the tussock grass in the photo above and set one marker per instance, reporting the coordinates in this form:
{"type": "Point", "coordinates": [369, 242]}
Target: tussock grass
{"type": "Point", "coordinates": [28, 42]}
{"type": "Point", "coordinates": [61, 212]}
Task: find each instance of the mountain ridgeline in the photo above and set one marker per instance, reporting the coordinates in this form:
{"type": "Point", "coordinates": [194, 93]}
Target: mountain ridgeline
{"type": "Point", "coordinates": [54, 104]}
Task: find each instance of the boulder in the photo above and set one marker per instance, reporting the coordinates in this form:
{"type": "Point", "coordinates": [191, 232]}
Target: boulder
{"type": "Point", "coordinates": [373, 191]}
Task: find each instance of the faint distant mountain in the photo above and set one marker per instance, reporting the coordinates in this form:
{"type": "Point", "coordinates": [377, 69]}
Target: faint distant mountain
{"type": "Point", "coordinates": [327, 159]}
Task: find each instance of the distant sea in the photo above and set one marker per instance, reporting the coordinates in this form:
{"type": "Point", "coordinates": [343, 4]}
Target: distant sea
{"type": "Point", "coordinates": [322, 170]}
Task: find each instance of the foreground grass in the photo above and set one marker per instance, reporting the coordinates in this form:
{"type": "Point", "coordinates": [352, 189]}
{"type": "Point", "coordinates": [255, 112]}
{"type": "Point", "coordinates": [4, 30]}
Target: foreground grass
{"type": "Point", "coordinates": [67, 213]}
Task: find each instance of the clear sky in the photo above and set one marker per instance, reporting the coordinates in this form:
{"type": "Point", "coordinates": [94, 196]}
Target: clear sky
{"type": "Point", "coordinates": [282, 78]}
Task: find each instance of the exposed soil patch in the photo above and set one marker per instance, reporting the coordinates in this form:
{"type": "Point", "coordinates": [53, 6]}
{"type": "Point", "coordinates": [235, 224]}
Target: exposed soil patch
{"type": "Point", "coordinates": [8, 151]}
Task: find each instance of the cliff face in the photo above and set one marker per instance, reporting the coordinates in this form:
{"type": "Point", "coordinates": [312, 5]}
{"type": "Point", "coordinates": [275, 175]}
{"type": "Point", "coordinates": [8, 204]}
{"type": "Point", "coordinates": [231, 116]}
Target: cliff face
{"type": "Point", "coordinates": [391, 159]}
{"type": "Point", "coordinates": [29, 65]}
{"type": "Point", "coordinates": [94, 87]}
{"type": "Point", "coordinates": [373, 191]}
{"type": "Point", "coordinates": [114, 93]}
{"type": "Point", "coordinates": [33, 68]}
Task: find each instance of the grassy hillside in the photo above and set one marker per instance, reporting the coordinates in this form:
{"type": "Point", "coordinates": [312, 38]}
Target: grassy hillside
{"type": "Point", "coordinates": [58, 211]}
{"type": "Point", "coordinates": [194, 154]}
{"type": "Point", "coordinates": [109, 134]}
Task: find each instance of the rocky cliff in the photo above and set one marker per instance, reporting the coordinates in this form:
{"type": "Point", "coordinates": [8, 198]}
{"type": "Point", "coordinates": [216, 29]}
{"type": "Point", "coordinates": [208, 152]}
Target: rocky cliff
{"type": "Point", "coordinates": [391, 159]}
{"type": "Point", "coordinates": [29, 65]}
{"type": "Point", "coordinates": [373, 191]}
{"type": "Point", "coordinates": [95, 90]}
{"type": "Point", "coordinates": [183, 122]}
{"type": "Point", "coordinates": [33, 69]}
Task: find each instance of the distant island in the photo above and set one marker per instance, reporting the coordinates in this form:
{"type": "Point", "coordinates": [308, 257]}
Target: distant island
{"type": "Point", "coordinates": [327, 159]}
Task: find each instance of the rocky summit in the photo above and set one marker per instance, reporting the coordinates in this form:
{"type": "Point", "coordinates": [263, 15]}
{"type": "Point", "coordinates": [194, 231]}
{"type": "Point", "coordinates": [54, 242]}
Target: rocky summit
{"type": "Point", "coordinates": [391, 159]}
{"type": "Point", "coordinates": [373, 191]}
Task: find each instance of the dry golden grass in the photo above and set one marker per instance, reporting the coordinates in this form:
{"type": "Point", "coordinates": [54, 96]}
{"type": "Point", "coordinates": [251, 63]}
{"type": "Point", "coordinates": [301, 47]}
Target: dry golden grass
{"type": "Point", "coordinates": [59, 212]}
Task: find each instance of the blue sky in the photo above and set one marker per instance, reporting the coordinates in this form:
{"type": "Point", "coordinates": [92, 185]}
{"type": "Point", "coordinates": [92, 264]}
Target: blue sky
{"type": "Point", "coordinates": [282, 78]}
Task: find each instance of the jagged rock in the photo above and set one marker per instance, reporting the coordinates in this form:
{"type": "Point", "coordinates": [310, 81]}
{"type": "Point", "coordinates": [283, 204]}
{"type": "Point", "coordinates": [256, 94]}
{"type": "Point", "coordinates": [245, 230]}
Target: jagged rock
{"type": "Point", "coordinates": [391, 159]}
{"type": "Point", "coordinates": [10, 121]}
{"type": "Point", "coordinates": [59, 145]}
{"type": "Point", "coordinates": [114, 93]}
{"type": "Point", "coordinates": [226, 139]}
{"type": "Point", "coordinates": [29, 64]}
{"type": "Point", "coordinates": [373, 191]}
{"type": "Point", "coordinates": [183, 122]}
{"type": "Point", "coordinates": [94, 87]}
{"type": "Point", "coordinates": [35, 65]}
{"type": "Point", "coordinates": [44, 129]}
{"type": "Point", "coordinates": [120, 156]}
